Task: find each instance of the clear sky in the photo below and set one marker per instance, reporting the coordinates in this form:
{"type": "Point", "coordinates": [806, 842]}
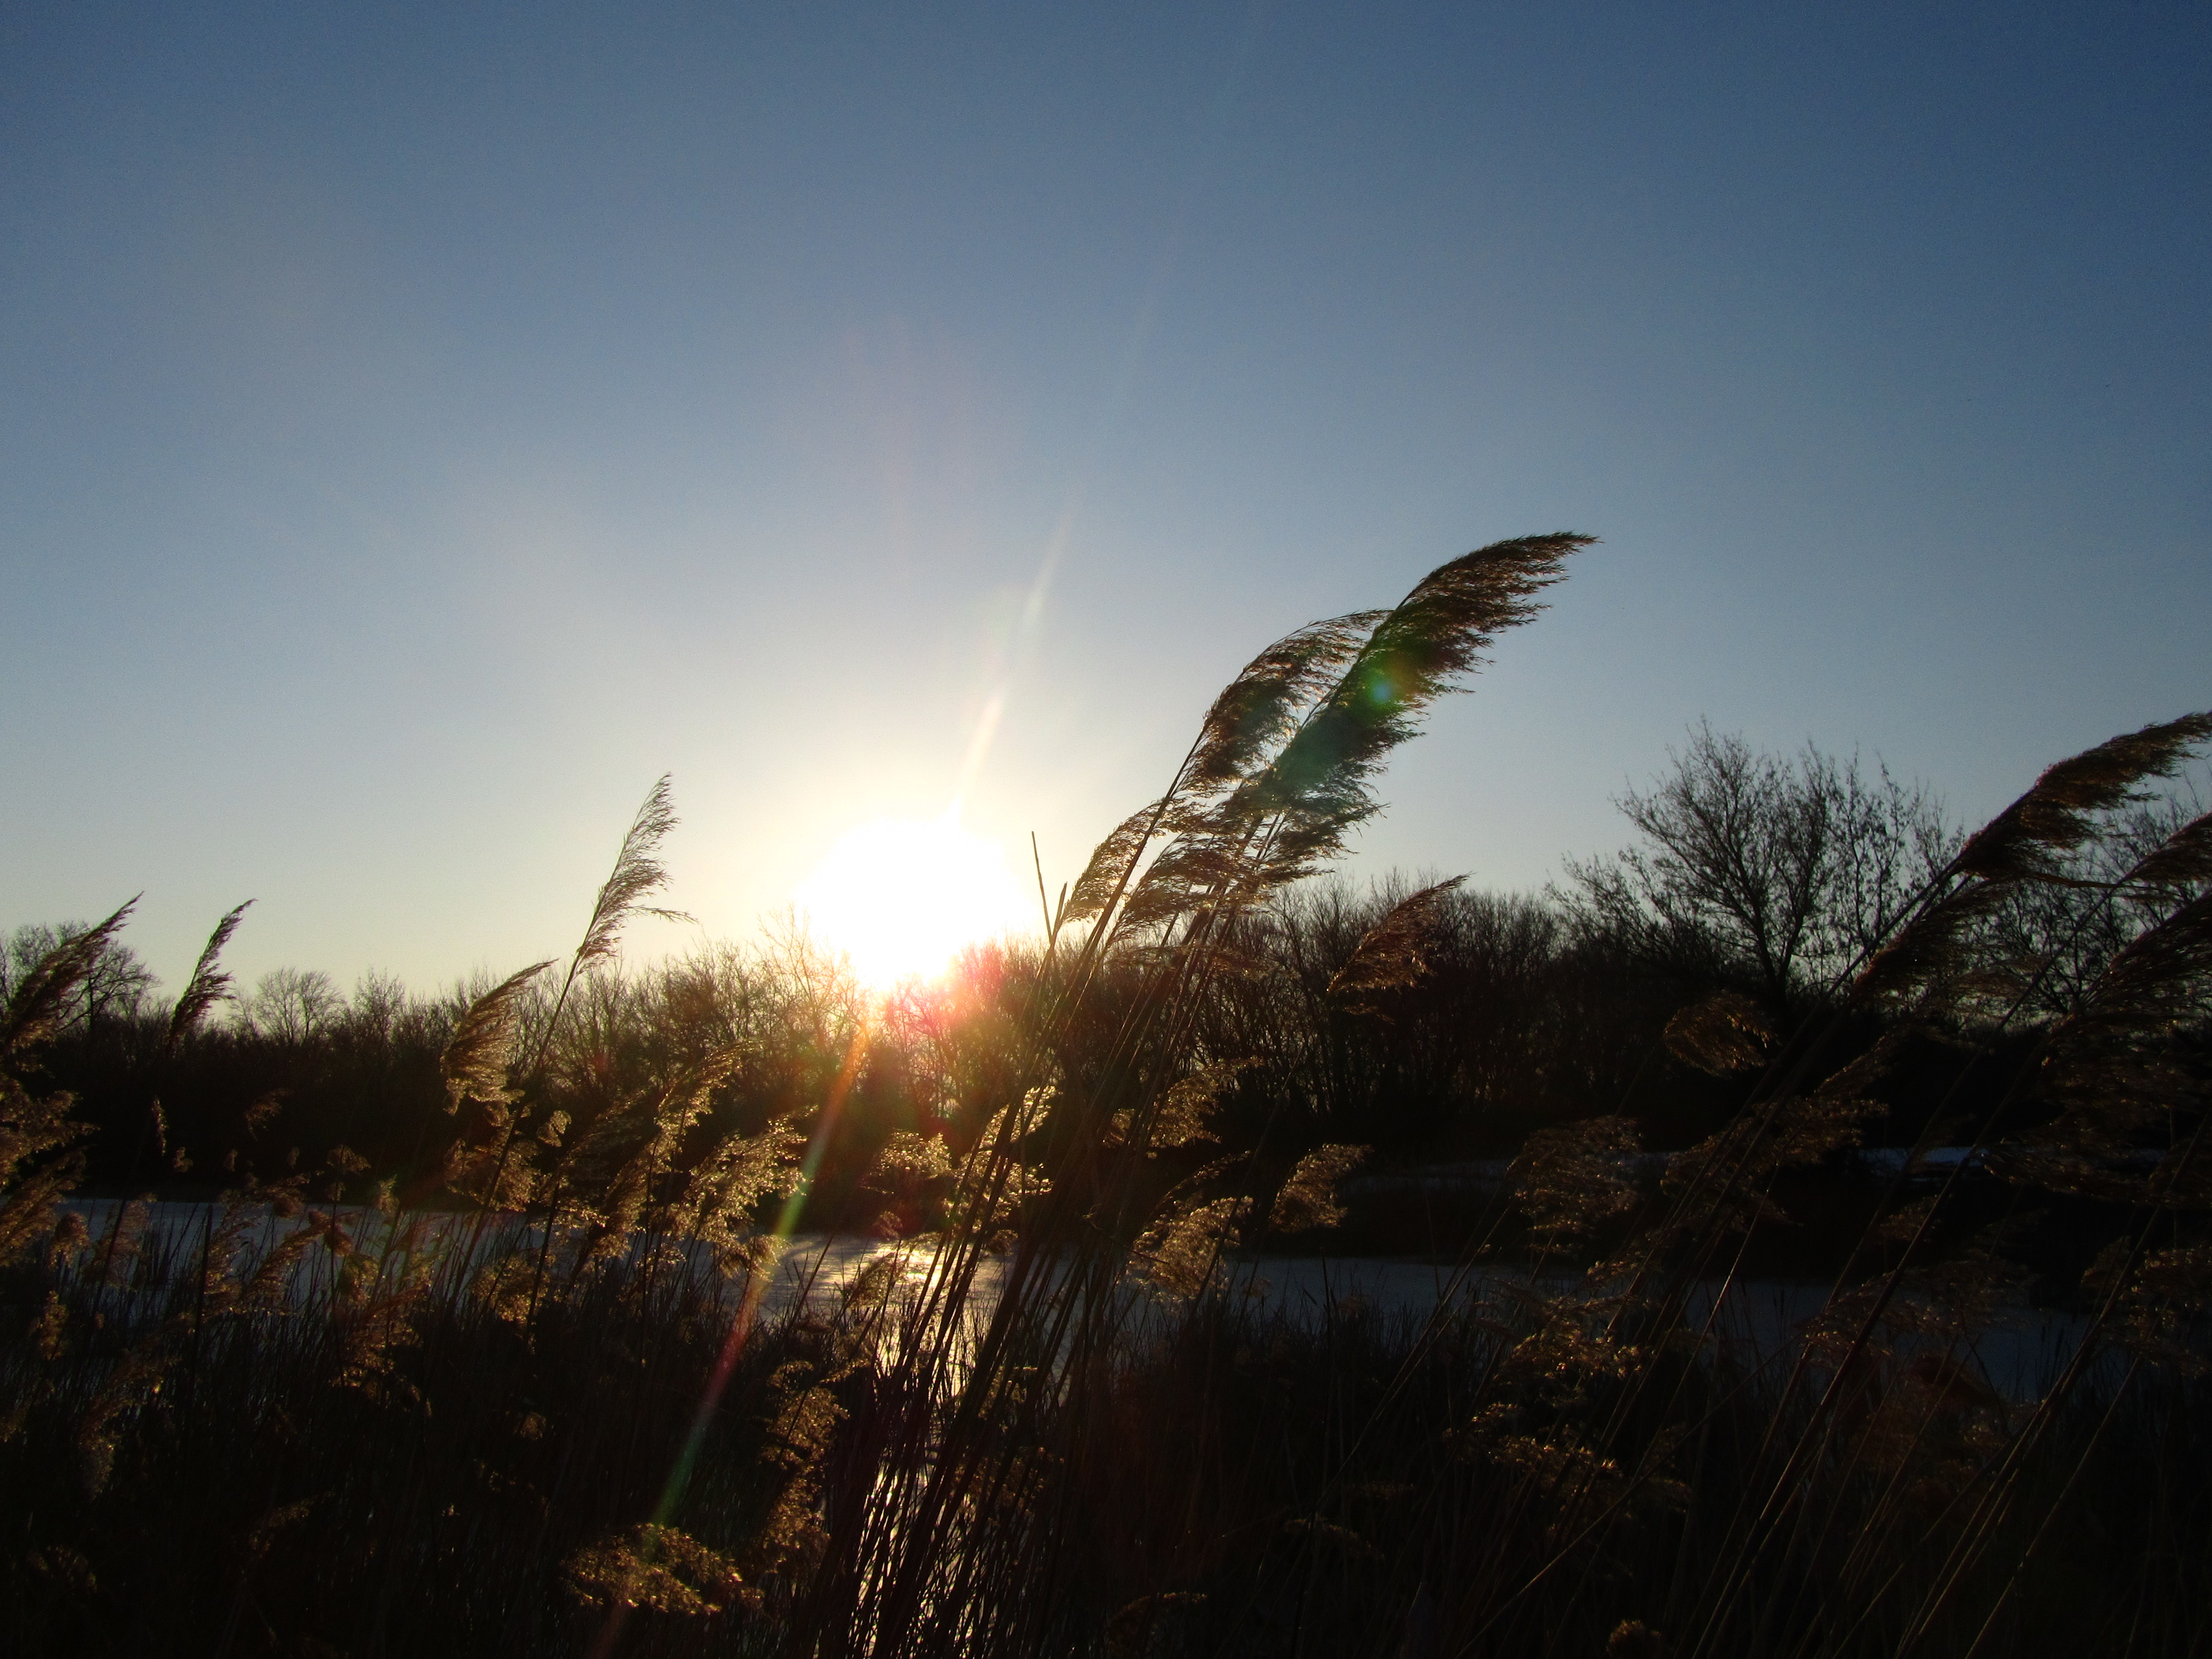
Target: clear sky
{"type": "Point", "coordinates": [424, 426]}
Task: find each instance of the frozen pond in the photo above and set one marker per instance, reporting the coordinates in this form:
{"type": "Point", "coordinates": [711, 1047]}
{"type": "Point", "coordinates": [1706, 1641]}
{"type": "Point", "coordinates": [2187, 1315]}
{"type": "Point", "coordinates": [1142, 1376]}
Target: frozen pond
{"type": "Point", "coordinates": [1760, 1319]}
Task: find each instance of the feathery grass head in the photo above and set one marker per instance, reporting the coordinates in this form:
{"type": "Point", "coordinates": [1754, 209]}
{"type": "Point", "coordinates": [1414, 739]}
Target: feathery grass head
{"type": "Point", "coordinates": [40, 1158]}
{"type": "Point", "coordinates": [1724, 1033]}
{"type": "Point", "coordinates": [653, 1566]}
{"type": "Point", "coordinates": [638, 871]}
{"type": "Point", "coordinates": [2125, 1070]}
{"type": "Point", "coordinates": [907, 1158]}
{"type": "Point", "coordinates": [1930, 948]}
{"type": "Point", "coordinates": [1184, 1114]}
{"type": "Point", "coordinates": [1308, 1200]}
{"type": "Point", "coordinates": [1259, 709]}
{"type": "Point", "coordinates": [1180, 1253]}
{"type": "Point", "coordinates": [1436, 634]}
{"type": "Point", "coordinates": [2057, 815]}
{"type": "Point", "coordinates": [208, 985]}
{"type": "Point", "coordinates": [1111, 864]}
{"type": "Point", "coordinates": [476, 1056]}
{"type": "Point", "coordinates": [37, 1008]}
{"type": "Point", "coordinates": [1288, 811]}
{"type": "Point", "coordinates": [1393, 954]}
{"type": "Point", "coordinates": [2024, 843]}
{"type": "Point", "coordinates": [1570, 1177]}
{"type": "Point", "coordinates": [2183, 859]}
{"type": "Point", "coordinates": [2160, 982]}
{"type": "Point", "coordinates": [1253, 716]}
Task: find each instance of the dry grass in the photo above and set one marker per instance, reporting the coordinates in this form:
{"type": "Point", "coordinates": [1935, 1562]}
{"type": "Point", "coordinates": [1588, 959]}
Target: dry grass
{"type": "Point", "coordinates": [570, 1424]}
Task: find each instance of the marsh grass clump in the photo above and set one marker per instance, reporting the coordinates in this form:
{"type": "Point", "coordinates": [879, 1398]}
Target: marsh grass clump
{"type": "Point", "coordinates": [513, 1381]}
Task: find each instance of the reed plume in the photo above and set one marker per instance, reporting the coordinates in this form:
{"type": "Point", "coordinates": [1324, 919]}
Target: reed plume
{"type": "Point", "coordinates": [1571, 1178]}
{"type": "Point", "coordinates": [1726, 1032]}
{"type": "Point", "coordinates": [1287, 810]}
{"type": "Point", "coordinates": [1112, 863]}
{"type": "Point", "coordinates": [2026, 842]}
{"type": "Point", "coordinates": [477, 1056]}
{"type": "Point", "coordinates": [38, 1006]}
{"type": "Point", "coordinates": [40, 1157]}
{"type": "Point", "coordinates": [476, 1067]}
{"type": "Point", "coordinates": [2058, 812]}
{"type": "Point", "coordinates": [1393, 954]}
{"type": "Point", "coordinates": [1262, 707]}
{"type": "Point", "coordinates": [657, 1567]}
{"type": "Point", "coordinates": [638, 872]}
{"type": "Point", "coordinates": [1181, 1252]}
{"type": "Point", "coordinates": [208, 985]}
{"type": "Point", "coordinates": [2183, 859]}
{"type": "Point", "coordinates": [1250, 718]}
{"type": "Point", "coordinates": [2124, 1074]}
{"type": "Point", "coordinates": [1308, 1200]}
{"type": "Point", "coordinates": [719, 1195]}
{"type": "Point", "coordinates": [1184, 1114]}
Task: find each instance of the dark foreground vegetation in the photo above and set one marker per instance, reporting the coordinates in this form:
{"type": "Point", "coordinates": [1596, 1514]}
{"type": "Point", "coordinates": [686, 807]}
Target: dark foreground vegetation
{"type": "Point", "coordinates": [469, 1352]}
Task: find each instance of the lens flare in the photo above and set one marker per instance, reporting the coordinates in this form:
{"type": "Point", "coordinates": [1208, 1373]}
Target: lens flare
{"type": "Point", "coordinates": [901, 896]}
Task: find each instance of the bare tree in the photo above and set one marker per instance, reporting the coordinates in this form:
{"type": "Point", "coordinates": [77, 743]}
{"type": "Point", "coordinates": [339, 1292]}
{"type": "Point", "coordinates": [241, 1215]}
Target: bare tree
{"type": "Point", "coordinates": [292, 1005]}
{"type": "Point", "coordinates": [1782, 872]}
{"type": "Point", "coordinates": [379, 1003]}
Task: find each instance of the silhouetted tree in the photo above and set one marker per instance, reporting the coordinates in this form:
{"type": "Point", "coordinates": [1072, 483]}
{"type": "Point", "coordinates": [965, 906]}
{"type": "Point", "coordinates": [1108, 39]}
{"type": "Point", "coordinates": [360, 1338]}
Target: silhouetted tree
{"type": "Point", "coordinates": [1779, 872]}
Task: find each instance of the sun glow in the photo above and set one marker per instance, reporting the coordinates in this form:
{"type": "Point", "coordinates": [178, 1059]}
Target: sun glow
{"type": "Point", "coordinates": [901, 896]}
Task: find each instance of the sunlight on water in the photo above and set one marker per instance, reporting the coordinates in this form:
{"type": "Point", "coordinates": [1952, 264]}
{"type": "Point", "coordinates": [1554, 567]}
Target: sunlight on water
{"type": "Point", "coordinates": [1760, 1320]}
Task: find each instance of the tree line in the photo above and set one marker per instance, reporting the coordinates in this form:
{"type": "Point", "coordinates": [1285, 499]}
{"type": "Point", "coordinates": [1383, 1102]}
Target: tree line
{"type": "Point", "coordinates": [1767, 876]}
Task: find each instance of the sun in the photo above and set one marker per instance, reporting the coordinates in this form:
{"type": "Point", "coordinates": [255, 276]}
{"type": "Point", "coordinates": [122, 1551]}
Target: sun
{"type": "Point", "coordinates": [900, 896]}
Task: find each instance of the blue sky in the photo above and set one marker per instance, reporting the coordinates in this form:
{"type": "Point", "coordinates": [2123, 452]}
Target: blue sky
{"type": "Point", "coordinates": [421, 427]}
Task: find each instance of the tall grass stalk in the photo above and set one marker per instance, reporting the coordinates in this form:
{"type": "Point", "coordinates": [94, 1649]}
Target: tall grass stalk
{"type": "Point", "coordinates": [541, 1398]}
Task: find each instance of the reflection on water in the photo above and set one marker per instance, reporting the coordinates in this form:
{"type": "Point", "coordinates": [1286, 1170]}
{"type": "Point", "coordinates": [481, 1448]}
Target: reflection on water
{"type": "Point", "coordinates": [1759, 1319]}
